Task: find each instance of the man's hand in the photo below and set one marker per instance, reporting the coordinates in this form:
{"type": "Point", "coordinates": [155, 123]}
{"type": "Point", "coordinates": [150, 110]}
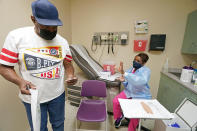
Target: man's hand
{"type": "Point", "coordinates": [9, 74]}
{"type": "Point", "coordinates": [24, 87]}
{"type": "Point", "coordinates": [71, 80]}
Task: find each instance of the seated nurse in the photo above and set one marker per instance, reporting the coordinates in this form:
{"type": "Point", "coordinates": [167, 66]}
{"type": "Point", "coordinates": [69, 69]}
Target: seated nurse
{"type": "Point", "coordinates": [135, 81]}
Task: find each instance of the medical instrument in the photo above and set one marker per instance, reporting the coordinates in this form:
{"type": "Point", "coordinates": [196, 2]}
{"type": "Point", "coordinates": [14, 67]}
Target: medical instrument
{"type": "Point", "coordinates": [103, 38]}
{"type": "Point", "coordinates": [110, 39]}
{"type": "Point", "coordinates": [110, 42]}
{"type": "Point", "coordinates": [115, 38]}
{"type": "Point", "coordinates": [95, 41]}
{"type": "Point", "coordinates": [123, 38]}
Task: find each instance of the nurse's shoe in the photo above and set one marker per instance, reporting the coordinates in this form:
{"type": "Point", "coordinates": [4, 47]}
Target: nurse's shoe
{"type": "Point", "coordinates": [118, 121]}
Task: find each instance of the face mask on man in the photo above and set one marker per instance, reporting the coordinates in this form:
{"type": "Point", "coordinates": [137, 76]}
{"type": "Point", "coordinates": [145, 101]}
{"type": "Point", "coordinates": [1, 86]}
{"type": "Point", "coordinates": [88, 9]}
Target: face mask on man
{"type": "Point", "coordinates": [136, 65]}
{"type": "Point", "coordinates": [47, 35]}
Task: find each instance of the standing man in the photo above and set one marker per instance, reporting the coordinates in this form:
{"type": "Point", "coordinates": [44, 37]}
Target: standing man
{"type": "Point", "coordinates": [43, 57]}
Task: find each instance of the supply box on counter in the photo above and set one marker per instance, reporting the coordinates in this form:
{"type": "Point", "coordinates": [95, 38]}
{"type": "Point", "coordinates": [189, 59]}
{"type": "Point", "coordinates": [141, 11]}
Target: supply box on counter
{"type": "Point", "coordinates": [109, 66]}
{"type": "Point", "coordinates": [185, 117]}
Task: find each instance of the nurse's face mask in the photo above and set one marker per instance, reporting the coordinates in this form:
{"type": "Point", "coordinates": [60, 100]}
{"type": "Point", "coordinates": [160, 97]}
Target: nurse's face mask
{"type": "Point", "coordinates": [47, 32]}
{"type": "Point", "coordinates": [137, 63]}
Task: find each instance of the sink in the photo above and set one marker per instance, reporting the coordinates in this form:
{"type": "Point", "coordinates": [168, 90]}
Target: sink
{"type": "Point", "coordinates": [177, 74]}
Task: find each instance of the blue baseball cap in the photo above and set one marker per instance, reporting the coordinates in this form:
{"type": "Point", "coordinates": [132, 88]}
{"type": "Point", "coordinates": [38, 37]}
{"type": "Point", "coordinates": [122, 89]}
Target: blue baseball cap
{"type": "Point", "coordinates": [45, 13]}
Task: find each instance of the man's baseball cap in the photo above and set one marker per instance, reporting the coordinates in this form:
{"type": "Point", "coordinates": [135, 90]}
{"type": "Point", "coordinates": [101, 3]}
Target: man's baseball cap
{"type": "Point", "coordinates": [45, 13]}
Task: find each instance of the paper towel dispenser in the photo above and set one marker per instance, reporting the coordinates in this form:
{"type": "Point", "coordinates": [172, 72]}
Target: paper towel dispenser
{"type": "Point", "coordinates": [157, 42]}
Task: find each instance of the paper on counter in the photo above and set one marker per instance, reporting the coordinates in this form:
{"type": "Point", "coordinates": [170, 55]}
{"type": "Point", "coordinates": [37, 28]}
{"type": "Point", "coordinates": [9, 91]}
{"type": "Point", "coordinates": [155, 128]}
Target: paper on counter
{"type": "Point", "coordinates": [111, 77]}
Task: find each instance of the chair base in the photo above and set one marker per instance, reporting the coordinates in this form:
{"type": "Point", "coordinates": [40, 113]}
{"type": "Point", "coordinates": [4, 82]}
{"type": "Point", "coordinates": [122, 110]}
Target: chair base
{"type": "Point", "coordinates": [110, 113]}
{"type": "Point", "coordinates": [78, 127]}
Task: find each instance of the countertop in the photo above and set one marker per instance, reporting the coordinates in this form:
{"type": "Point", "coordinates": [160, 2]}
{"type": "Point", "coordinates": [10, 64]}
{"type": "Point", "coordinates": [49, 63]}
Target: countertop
{"type": "Point", "coordinates": [170, 74]}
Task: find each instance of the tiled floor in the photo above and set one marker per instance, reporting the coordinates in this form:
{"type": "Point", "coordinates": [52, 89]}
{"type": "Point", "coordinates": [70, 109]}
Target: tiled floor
{"type": "Point", "coordinates": [70, 122]}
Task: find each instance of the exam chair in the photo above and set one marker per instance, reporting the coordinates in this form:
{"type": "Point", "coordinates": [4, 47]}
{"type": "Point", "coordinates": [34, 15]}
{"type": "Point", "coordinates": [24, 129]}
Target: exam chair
{"type": "Point", "coordinates": [92, 70]}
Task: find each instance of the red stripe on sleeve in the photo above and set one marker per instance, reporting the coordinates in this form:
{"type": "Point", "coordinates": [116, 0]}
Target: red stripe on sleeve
{"type": "Point", "coordinates": [69, 56]}
{"type": "Point", "coordinates": [7, 59]}
{"type": "Point", "coordinates": [68, 59]}
{"type": "Point", "coordinates": [10, 53]}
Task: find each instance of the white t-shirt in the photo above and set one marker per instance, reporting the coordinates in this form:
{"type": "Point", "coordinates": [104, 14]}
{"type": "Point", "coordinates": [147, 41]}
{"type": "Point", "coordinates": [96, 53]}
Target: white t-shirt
{"type": "Point", "coordinates": [40, 61]}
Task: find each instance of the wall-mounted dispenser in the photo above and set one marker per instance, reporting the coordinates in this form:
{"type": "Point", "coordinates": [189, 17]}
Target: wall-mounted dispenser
{"type": "Point", "coordinates": [157, 42]}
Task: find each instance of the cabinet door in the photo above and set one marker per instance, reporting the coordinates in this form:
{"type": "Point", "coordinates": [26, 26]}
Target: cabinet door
{"type": "Point", "coordinates": [171, 93]}
{"type": "Point", "coordinates": [190, 39]}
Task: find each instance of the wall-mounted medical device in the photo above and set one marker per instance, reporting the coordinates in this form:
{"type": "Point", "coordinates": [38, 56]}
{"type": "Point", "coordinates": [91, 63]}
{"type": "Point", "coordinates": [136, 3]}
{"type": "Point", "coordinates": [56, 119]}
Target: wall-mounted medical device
{"type": "Point", "coordinates": [96, 39]}
{"type": "Point", "coordinates": [115, 38]}
{"type": "Point", "coordinates": [110, 39]}
{"type": "Point", "coordinates": [123, 39]}
{"type": "Point", "coordinates": [157, 42]}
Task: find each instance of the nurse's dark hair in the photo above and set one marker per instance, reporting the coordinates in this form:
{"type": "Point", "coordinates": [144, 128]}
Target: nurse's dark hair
{"type": "Point", "coordinates": [144, 57]}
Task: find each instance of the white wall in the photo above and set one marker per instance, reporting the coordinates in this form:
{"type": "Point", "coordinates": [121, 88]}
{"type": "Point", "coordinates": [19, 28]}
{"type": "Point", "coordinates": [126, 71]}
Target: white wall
{"type": "Point", "coordinates": [164, 16]}
{"type": "Point", "coordinates": [15, 14]}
